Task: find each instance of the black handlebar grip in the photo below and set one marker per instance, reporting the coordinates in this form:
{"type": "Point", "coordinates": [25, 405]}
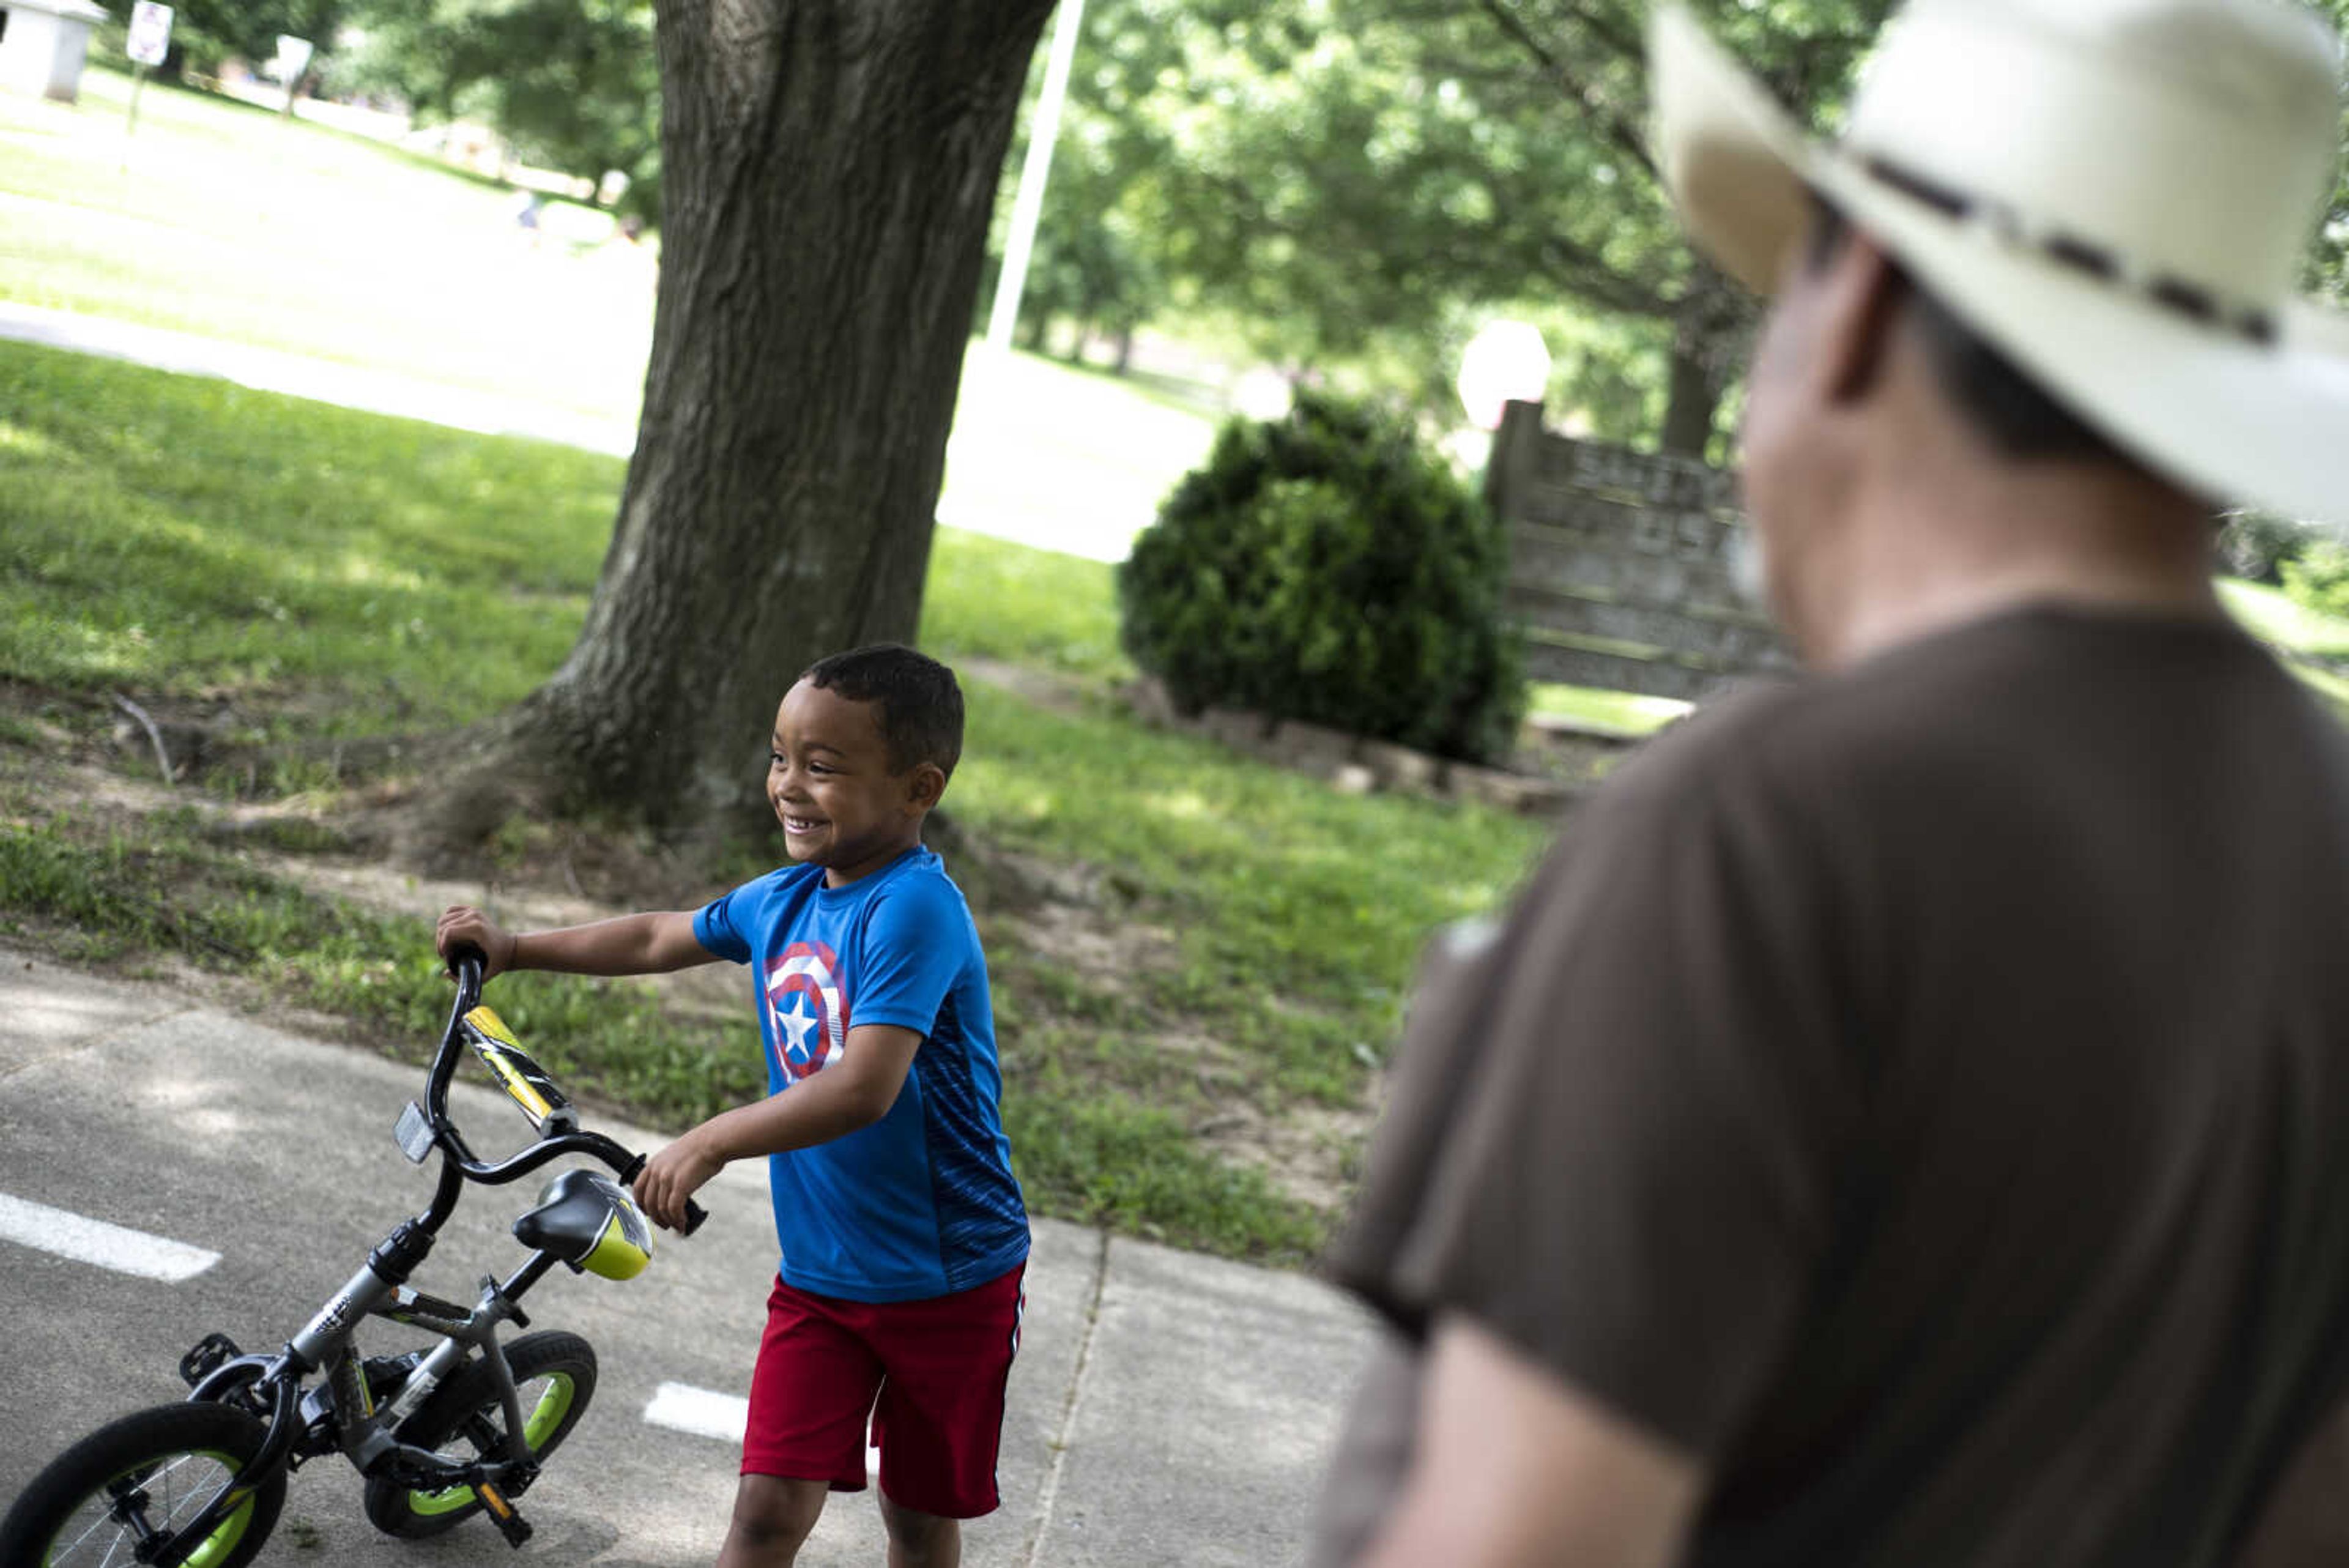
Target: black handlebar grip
{"type": "Point", "coordinates": [463, 952]}
{"type": "Point", "coordinates": [694, 1212]}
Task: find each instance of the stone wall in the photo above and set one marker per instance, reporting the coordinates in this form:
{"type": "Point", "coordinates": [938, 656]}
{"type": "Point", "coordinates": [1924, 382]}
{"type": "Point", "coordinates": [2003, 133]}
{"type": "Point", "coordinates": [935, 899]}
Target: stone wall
{"type": "Point", "coordinates": [1623, 565]}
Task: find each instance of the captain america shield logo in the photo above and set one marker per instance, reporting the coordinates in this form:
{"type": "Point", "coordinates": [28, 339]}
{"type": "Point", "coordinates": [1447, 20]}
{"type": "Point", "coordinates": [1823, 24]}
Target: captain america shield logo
{"type": "Point", "coordinates": [804, 1005]}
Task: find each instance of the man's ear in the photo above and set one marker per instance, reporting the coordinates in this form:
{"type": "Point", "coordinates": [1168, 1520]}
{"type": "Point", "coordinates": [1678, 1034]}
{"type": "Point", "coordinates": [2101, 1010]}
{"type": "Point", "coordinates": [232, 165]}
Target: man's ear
{"type": "Point", "coordinates": [925, 785]}
{"type": "Point", "coordinates": [1858, 309]}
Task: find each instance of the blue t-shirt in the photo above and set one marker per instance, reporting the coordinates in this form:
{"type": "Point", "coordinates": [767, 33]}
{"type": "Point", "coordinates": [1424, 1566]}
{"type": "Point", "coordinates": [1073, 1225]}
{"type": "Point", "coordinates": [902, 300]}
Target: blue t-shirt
{"type": "Point", "coordinates": [922, 1203]}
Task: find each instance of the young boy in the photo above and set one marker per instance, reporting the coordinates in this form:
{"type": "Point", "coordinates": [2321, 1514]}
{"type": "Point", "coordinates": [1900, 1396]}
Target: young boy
{"type": "Point", "coordinates": [904, 1235]}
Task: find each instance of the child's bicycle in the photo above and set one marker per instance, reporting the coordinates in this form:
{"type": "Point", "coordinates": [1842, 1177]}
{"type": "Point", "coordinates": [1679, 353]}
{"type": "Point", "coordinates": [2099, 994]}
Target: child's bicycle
{"type": "Point", "coordinates": [440, 1433]}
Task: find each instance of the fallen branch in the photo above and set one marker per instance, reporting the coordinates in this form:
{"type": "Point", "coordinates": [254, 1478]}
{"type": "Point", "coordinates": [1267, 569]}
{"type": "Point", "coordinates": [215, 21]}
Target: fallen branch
{"type": "Point", "coordinates": [163, 757]}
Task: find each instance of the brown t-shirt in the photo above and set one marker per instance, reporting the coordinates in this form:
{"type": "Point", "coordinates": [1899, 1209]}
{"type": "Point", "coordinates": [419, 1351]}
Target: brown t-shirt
{"type": "Point", "coordinates": [1922, 1094]}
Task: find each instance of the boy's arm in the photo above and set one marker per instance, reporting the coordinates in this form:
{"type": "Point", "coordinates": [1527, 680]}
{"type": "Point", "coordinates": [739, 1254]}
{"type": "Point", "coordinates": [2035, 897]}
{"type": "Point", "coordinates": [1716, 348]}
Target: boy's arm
{"type": "Point", "coordinates": [651, 943]}
{"type": "Point", "coordinates": [851, 1095]}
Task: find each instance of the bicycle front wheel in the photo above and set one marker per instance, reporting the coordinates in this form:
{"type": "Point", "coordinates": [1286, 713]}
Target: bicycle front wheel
{"type": "Point", "coordinates": [464, 1420]}
{"type": "Point", "coordinates": [145, 1475]}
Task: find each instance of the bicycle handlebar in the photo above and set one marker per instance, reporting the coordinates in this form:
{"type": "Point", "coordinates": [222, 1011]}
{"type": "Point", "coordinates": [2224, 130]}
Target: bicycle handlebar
{"type": "Point", "coordinates": [466, 963]}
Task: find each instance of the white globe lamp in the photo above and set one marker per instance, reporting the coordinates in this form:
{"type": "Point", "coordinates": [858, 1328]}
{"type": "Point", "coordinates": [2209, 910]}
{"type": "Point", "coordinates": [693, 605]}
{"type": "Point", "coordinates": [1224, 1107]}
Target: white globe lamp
{"type": "Point", "coordinates": [1505, 361]}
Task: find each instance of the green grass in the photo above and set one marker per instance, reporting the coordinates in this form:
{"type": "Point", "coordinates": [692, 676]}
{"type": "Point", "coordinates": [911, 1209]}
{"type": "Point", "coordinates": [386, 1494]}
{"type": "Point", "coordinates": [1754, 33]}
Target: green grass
{"type": "Point", "coordinates": [193, 537]}
{"type": "Point", "coordinates": [190, 537]}
{"type": "Point", "coordinates": [1298, 910]}
{"type": "Point", "coordinates": [990, 598]}
{"type": "Point", "coordinates": [1061, 458]}
{"type": "Point", "coordinates": [169, 888]}
{"type": "Point", "coordinates": [1610, 713]}
{"type": "Point", "coordinates": [327, 573]}
{"type": "Point", "coordinates": [1116, 1161]}
{"type": "Point", "coordinates": [222, 220]}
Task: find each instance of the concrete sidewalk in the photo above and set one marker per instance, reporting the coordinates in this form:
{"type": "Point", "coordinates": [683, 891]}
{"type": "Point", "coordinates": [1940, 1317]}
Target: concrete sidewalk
{"type": "Point", "coordinates": [1166, 1407]}
{"type": "Point", "coordinates": [321, 380]}
{"type": "Point", "coordinates": [378, 392]}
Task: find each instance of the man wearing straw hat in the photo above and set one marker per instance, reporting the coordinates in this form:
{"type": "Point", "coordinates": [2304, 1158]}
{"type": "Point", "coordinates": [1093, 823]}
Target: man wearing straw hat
{"type": "Point", "coordinates": [1906, 1121]}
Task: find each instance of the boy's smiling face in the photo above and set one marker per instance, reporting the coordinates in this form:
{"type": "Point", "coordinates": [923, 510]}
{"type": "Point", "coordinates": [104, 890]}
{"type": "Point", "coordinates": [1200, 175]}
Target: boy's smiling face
{"type": "Point", "coordinates": [830, 779]}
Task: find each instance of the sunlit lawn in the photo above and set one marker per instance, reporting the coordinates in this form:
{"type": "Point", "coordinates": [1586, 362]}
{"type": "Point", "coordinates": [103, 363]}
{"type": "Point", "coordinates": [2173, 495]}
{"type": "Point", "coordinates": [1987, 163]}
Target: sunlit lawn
{"type": "Point", "coordinates": [1610, 713]}
{"type": "Point", "coordinates": [1067, 459]}
{"type": "Point", "coordinates": [222, 220]}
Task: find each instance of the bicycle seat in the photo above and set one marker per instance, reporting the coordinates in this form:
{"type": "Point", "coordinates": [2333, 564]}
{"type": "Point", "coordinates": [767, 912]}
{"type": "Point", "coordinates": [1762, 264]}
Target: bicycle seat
{"type": "Point", "coordinates": [589, 1221]}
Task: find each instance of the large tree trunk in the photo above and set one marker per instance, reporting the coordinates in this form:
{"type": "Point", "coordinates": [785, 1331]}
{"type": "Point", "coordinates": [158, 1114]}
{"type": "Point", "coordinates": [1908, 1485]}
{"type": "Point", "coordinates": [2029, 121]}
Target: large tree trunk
{"type": "Point", "coordinates": [1693, 404]}
{"type": "Point", "coordinates": [829, 170]}
{"type": "Point", "coordinates": [1713, 326]}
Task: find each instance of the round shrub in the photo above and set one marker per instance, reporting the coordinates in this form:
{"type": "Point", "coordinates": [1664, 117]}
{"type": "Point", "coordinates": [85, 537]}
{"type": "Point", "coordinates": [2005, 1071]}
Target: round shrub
{"type": "Point", "coordinates": [1325, 567]}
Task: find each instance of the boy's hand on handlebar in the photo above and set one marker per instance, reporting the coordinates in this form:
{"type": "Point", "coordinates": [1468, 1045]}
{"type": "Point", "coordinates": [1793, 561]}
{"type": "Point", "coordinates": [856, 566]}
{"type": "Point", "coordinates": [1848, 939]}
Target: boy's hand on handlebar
{"type": "Point", "coordinates": [461, 926]}
{"type": "Point", "coordinates": [671, 1177]}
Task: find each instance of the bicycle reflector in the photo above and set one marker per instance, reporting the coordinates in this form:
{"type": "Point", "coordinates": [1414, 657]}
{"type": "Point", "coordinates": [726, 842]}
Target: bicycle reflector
{"type": "Point", "coordinates": [525, 1081]}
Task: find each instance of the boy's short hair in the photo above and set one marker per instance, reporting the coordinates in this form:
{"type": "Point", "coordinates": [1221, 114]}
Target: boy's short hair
{"type": "Point", "coordinates": [917, 701]}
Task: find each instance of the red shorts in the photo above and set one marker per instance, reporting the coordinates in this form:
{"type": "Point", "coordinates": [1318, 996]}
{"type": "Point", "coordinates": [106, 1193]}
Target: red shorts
{"type": "Point", "coordinates": [938, 1367]}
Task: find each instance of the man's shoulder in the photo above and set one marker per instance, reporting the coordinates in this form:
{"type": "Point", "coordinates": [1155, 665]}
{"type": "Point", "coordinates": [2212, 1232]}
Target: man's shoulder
{"type": "Point", "coordinates": [1775, 750]}
{"type": "Point", "coordinates": [1984, 712]}
{"type": "Point", "coordinates": [1724, 747]}
{"type": "Point", "coordinates": [1936, 690]}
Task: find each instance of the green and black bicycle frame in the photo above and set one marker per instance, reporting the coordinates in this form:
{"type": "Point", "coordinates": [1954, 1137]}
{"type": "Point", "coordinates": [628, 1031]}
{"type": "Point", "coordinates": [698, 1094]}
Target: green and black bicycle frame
{"type": "Point", "coordinates": [344, 1414]}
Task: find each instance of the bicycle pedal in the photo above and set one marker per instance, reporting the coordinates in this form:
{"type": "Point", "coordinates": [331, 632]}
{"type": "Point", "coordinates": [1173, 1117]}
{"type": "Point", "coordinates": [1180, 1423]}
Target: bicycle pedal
{"type": "Point", "coordinates": [502, 1514]}
{"type": "Point", "coordinates": [207, 1355]}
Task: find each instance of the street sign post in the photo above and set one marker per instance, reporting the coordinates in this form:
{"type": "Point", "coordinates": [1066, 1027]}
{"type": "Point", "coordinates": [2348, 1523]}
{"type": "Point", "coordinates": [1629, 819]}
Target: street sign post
{"type": "Point", "coordinates": [293, 59]}
{"type": "Point", "coordinates": [151, 33]}
{"type": "Point", "coordinates": [149, 41]}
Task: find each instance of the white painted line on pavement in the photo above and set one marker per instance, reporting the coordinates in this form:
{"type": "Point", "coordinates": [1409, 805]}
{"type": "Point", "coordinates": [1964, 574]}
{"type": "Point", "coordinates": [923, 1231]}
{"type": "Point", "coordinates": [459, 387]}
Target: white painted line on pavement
{"type": "Point", "coordinates": [681, 1408]}
{"type": "Point", "coordinates": [87, 1241]}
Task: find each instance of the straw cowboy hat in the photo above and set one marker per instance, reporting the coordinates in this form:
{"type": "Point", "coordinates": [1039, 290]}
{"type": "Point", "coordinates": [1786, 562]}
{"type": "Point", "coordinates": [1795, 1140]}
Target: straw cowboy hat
{"type": "Point", "coordinates": [2117, 193]}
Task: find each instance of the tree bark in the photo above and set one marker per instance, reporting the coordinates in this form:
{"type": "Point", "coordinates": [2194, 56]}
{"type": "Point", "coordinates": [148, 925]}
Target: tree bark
{"type": "Point", "coordinates": [830, 169]}
{"type": "Point", "coordinates": [1712, 323]}
{"type": "Point", "coordinates": [1693, 404]}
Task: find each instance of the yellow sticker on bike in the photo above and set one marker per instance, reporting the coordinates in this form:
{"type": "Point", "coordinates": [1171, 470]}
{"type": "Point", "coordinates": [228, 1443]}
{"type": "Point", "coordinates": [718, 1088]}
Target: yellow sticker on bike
{"type": "Point", "coordinates": [528, 1088]}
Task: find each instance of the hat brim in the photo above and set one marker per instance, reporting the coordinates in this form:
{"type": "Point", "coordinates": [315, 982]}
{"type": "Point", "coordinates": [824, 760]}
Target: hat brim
{"type": "Point", "coordinates": [2222, 416]}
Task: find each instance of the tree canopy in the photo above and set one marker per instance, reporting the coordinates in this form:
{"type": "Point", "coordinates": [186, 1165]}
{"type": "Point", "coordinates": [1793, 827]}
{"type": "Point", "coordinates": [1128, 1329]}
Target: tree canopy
{"type": "Point", "coordinates": [1361, 182]}
{"type": "Point", "coordinates": [1346, 187]}
{"type": "Point", "coordinates": [204, 33]}
{"type": "Point", "coordinates": [571, 84]}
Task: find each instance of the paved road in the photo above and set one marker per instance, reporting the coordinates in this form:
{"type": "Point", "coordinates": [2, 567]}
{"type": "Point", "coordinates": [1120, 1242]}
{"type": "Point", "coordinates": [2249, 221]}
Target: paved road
{"type": "Point", "coordinates": [301, 376]}
{"type": "Point", "coordinates": [1167, 1408]}
{"type": "Point", "coordinates": [1090, 534]}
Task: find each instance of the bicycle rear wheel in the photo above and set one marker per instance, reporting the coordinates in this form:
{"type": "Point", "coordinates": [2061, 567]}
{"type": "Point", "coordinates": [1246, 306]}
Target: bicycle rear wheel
{"type": "Point", "coordinates": [149, 1472]}
{"type": "Point", "coordinates": [556, 1375]}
